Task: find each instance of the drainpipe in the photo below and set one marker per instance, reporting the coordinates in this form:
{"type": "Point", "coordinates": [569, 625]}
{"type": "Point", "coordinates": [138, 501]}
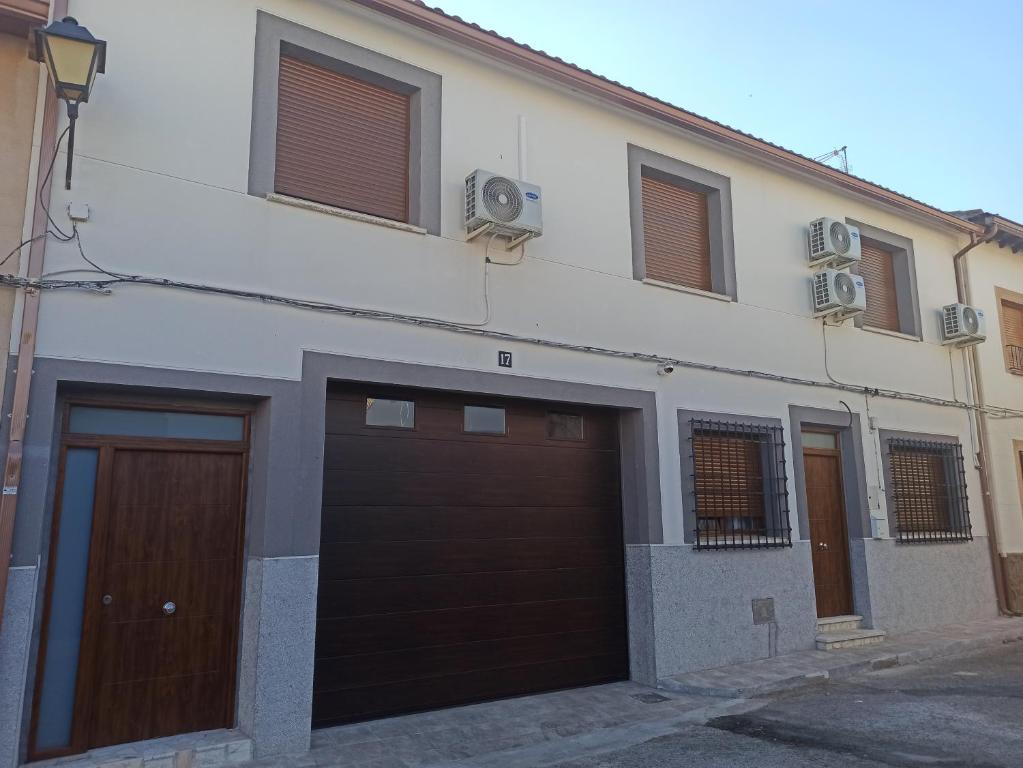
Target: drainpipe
{"type": "Point", "coordinates": [27, 340]}
{"type": "Point", "coordinates": [983, 449]}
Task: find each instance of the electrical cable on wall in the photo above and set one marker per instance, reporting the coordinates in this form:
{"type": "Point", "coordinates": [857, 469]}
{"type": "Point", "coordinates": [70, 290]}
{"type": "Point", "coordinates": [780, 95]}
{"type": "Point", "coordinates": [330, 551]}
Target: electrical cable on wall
{"type": "Point", "coordinates": [375, 314]}
{"type": "Point", "coordinates": [115, 279]}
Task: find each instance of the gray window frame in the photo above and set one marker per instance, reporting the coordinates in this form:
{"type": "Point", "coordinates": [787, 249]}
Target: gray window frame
{"type": "Point", "coordinates": [686, 463]}
{"type": "Point", "coordinates": [886, 436]}
{"type": "Point", "coordinates": [275, 36]}
{"type": "Point", "coordinates": [717, 188]}
{"type": "Point", "coordinates": [904, 267]}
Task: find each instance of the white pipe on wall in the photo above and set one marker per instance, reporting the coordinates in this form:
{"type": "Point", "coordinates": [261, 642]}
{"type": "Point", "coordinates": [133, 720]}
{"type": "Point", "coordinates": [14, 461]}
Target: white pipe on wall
{"type": "Point", "coordinates": [522, 148]}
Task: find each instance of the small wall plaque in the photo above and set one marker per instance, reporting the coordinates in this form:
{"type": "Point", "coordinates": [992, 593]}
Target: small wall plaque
{"type": "Point", "coordinates": [504, 359]}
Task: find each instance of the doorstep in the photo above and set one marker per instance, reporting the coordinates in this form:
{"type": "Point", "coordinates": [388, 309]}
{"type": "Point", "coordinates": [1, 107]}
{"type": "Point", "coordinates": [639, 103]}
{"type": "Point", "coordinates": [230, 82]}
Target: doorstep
{"type": "Point", "coordinates": [206, 749]}
{"type": "Point", "coordinates": [817, 667]}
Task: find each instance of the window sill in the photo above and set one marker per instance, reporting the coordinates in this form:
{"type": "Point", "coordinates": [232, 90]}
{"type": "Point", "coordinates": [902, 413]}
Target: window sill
{"type": "Point", "coordinates": [686, 289]}
{"type": "Point", "coordinates": [344, 213]}
{"type": "Point", "coordinates": [893, 334]}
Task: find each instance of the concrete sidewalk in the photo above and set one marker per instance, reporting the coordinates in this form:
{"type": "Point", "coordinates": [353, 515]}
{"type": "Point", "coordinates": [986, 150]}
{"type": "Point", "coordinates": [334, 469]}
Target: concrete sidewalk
{"type": "Point", "coordinates": [572, 725]}
{"type": "Point", "coordinates": [522, 732]}
{"type": "Point", "coordinates": [803, 668]}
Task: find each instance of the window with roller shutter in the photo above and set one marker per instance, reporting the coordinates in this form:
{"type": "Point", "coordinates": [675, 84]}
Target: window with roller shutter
{"type": "Point", "coordinates": [927, 491]}
{"type": "Point", "coordinates": [676, 235]}
{"type": "Point", "coordinates": [887, 265]}
{"type": "Point", "coordinates": [1011, 324]}
{"type": "Point", "coordinates": [681, 225]}
{"type": "Point", "coordinates": [342, 141]}
{"type": "Point", "coordinates": [735, 487]}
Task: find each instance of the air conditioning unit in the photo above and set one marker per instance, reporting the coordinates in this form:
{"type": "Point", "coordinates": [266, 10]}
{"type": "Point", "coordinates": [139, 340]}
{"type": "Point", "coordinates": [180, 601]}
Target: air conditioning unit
{"type": "Point", "coordinates": [838, 295]}
{"type": "Point", "coordinates": [502, 206]}
{"type": "Point", "coordinates": [962, 325]}
{"type": "Point", "coordinates": [833, 243]}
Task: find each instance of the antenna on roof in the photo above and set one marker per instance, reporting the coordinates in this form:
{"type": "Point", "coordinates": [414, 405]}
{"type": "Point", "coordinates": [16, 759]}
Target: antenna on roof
{"type": "Point", "coordinates": [840, 152]}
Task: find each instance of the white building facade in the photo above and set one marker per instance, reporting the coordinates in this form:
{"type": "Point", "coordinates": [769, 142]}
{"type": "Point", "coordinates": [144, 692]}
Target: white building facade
{"type": "Point", "coordinates": [228, 412]}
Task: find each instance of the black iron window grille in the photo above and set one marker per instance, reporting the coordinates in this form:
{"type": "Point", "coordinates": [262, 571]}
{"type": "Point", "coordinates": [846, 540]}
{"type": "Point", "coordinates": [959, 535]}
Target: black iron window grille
{"type": "Point", "coordinates": [1015, 355]}
{"type": "Point", "coordinates": [928, 491]}
{"type": "Point", "coordinates": [739, 485]}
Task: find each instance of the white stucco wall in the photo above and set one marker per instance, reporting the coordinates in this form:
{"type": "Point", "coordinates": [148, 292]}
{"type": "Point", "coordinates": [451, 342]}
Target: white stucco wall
{"type": "Point", "coordinates": [162, 159]}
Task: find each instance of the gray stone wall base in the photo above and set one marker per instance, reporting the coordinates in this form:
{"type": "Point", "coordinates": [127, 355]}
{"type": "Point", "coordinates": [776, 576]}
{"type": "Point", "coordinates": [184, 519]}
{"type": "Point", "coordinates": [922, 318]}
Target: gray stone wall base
{"type": "Point", "coordinates": [918, 586]}
{"type": "Point", "coordinates": [275, 678]}
{"type": "Point", "coordinates": [640, 609]}
{"type": "Point", "coordinates": [702, 605]}
{"type": "Point", "coordinates": [1013, 565]}
{"type": "Point", "coordinates": [15, 642]}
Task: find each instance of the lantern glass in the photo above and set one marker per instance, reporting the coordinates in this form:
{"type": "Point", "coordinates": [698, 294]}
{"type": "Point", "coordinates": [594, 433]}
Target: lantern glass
{"type": "Point", "coordinates": [72, 65]}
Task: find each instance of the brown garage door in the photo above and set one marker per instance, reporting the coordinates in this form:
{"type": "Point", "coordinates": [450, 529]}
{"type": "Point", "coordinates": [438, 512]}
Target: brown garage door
{"type": "Point", "coordinates": [471, 549]}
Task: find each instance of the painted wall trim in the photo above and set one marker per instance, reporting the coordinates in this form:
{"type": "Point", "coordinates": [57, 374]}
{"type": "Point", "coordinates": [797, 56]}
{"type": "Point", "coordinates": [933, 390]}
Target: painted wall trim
{"type": "Point", "coordinates": [275, 35]}
{"type": "Point", "coordinates": [718, 191]}
{"type": "Point", "coordinates": [847, 426]}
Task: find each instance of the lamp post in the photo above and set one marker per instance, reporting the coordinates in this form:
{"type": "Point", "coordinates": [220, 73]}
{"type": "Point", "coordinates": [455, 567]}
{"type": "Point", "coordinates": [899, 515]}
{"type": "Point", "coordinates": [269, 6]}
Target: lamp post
{"type": "Point", "coordinates": [73, 58]}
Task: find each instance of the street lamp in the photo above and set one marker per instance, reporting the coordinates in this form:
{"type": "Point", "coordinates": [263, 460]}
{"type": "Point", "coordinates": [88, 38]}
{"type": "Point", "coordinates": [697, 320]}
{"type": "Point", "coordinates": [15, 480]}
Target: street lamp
{"type": "Point", "coordinates": [73, 57]}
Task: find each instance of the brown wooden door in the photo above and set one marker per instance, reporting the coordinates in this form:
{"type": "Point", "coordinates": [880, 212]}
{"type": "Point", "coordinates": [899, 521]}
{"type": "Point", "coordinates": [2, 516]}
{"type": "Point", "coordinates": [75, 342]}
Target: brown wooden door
{"type": "Point", "coordinates": [459, 567]}
{"type": "Point", "coordinates": [829, 540]}
{"type": "Point", "coordinates": [159, 634]}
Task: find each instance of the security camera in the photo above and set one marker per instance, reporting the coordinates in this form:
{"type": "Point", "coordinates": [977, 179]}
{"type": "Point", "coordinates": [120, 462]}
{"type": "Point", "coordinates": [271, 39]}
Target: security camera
{"type": "Point", "coordinates": [665, 368]}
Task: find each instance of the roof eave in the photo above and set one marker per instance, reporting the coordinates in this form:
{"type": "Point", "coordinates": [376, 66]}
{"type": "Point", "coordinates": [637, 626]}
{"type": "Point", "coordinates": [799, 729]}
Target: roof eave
{"type": "Point", "coordinates": [525, 58]}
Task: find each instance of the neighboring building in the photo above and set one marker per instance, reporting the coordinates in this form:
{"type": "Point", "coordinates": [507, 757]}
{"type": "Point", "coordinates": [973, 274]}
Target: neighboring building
{"type": "Point", "coordinates": [359, 465]}
{"type": "Point", "coordinates": [995, 272]}
{"type": "Point", "coordinates": [19, 93]}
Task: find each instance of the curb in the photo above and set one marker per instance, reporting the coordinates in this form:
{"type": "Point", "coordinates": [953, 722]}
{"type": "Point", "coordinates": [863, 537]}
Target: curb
{"type": "Point", "coordinates": [846, 668]}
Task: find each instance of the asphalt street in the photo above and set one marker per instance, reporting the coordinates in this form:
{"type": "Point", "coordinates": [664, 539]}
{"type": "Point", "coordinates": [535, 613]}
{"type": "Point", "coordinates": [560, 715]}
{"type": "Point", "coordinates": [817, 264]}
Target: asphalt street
{"type": "Point", "coordinates": [960, 711]}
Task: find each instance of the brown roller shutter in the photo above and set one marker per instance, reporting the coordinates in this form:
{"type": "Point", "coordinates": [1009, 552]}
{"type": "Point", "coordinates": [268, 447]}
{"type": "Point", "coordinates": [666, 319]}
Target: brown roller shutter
{"type": "Point", "coordinates": [729, 480]}
{"type": "Point", "coordinates": [342, 141]}
{"type": "Point", "coordinates": [878, 272]}
{"type": "Point", "coordinates": [920, 491]}
{"type": "Point", "coordinates": [676, 239]}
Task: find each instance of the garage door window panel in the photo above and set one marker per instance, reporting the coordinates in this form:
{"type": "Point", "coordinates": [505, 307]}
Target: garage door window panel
{"type": "Point", "coordinates": [565, 426]}
{"type": "Point", "coordinates": [396, 414]}
{"type": "Point", "coordinates": [484, 420]}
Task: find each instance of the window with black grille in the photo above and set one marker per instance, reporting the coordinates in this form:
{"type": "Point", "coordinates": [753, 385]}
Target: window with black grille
{"type": "Point", "coordinates": [739, 486]}
{"type": "Point", "coordinates": [928, 491]}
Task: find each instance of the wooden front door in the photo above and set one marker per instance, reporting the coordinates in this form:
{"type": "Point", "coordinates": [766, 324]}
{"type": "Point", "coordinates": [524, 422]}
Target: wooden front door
{"type": "Point", "coordinates": [161, 601]}
{"type": "Point", "coordinates": [163, 596]}
{"type": "Point", "coordinates": [829, 539]}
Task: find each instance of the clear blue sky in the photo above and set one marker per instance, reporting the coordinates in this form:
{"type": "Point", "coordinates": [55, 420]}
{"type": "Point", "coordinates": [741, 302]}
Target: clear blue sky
{"type": "Point", "coordinates": [928, 95]}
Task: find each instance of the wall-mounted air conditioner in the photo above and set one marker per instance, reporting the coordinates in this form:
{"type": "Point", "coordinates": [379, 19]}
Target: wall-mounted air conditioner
{"type": "Point", "coordinates": [838, 295]}
{"type": "Point", "coordinates": [832, 243]}
{"type": "Point", "coordinates": [502, 206]}
{"type": "Point", "coordinates": [962, 325]}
